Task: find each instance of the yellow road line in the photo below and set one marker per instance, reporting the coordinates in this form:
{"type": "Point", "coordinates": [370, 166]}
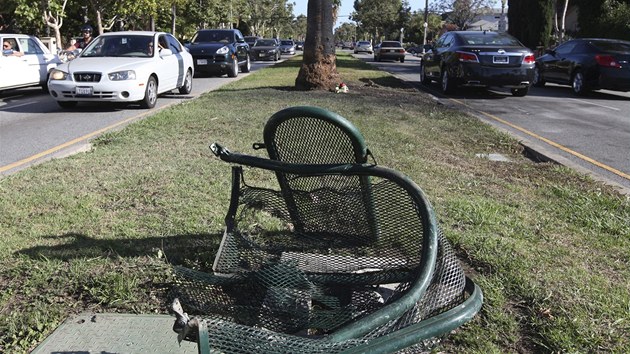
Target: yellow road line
{"type": "Point", "coordinates": [66, 144]}
{"type": "Point", "coordinates": [550, 142]}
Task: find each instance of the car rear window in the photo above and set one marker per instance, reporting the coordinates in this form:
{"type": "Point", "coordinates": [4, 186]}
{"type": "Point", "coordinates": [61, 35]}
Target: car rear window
{"type": "Point", "coordinates": [610, 46]}
{"type": "Point", "coordinates": [391, 44]}
{"type": "Point", "coordinates": [286, 42]}
{"type": "Point", "coordinates": [364, 43]}
{"type": "Point", "coordinates": [489, 39]}
{"type": "Point", "coordinates": [265, 43]}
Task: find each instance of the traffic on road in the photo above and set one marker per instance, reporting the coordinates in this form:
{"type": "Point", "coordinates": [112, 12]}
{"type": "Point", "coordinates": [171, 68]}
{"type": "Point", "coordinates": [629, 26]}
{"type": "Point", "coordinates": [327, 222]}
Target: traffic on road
{"type": "Point", "coordinates": [589, 132]}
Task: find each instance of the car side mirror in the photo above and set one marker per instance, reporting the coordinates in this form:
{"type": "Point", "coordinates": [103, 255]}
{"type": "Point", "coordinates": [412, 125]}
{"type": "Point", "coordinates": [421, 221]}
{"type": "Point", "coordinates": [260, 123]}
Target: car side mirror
{"type": "Point", "coordinates": [165, 52]}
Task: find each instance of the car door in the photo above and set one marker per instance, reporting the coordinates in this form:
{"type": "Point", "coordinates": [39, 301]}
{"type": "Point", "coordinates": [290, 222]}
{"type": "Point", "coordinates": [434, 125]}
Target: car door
{"type": "Point", "coordinates": [38, 59]}
{"type": "Point", "coordinates": [167, 65]}
{"type": "Point", "coordinates": [558, 67]}
{"type": "Point", "coordinates": [242, 48]}
{"type": "Point", "coordinates": [435, 56]}
{"type": "Point", "coordinates": [182, 66]}
{"type": "Point", "coordinates": [15, 70]}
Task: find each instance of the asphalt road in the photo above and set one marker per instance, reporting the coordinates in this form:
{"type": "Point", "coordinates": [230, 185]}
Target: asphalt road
{"type": "Point", "coordinates": [33, 128]}
{"type": "Point", "coordinates": [590, 134]}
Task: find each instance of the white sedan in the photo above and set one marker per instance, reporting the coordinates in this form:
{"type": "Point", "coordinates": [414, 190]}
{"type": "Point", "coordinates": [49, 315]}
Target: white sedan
{"type": "Point", "coordinates": [25, 61]}
{"type": "Point", "coordinates": [124, 67]}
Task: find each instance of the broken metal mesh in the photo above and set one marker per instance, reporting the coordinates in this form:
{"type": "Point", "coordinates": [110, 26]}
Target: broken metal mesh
{"type": "Point", "coordinates": [321, 251]}
{"type": "Point", "coordinates": [273, 277]}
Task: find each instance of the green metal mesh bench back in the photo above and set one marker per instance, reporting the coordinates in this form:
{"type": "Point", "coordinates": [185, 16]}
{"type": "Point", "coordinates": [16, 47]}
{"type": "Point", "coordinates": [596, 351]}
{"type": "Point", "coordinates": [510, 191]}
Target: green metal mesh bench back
{"type": "Point", "coordinates": [340, 256]}
{"type": "Point", "coordinates": [310, 135]}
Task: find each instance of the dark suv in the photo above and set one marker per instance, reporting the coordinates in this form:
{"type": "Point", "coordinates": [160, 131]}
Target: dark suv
{"type": "Point", "coordinates": [221, 51]}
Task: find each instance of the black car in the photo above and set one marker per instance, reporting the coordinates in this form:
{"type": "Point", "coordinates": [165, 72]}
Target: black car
{"type": "Point", "coordinates": [478, 58]}
{"type": "Point", "coordinates": [265, 49]}
{"type": "Point", "coordinates": [586, 64]}
{"type": "Point", "coordinates": [251, 40]}
{"type": "Point", "coordinates": [220, 51]}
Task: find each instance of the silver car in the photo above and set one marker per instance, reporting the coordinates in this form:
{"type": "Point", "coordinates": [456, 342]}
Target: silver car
{"type": "Point", "coordinates": [287, 46]}
{"type": "Point", "coordinates": [363, 46]}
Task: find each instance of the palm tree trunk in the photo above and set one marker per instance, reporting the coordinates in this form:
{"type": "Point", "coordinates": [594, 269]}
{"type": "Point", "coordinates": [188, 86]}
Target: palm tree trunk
{"type": "Point", "coordinates": [319, 69]}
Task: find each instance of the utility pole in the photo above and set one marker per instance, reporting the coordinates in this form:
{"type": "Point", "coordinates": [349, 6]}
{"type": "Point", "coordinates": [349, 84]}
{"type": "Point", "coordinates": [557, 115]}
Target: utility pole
{"type": "Point", "coordinates": [425, 24]}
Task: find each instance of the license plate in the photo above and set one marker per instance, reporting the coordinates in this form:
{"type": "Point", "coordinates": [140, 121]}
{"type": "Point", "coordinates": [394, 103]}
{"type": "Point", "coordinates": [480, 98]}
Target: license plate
{"type": "Point", "coordinates": [500, 59]}
{"type": "Point", "coordinates": [84, 91]}
{"type": "Point", "coordinates": [202, 61]}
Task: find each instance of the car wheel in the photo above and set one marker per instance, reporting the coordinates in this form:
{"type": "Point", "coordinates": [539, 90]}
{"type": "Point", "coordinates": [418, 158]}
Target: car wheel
{"type": "Point", "coordinates": [538, 80]}
{"type": "Point", "coordinates": [186, 88]}
{"type": "Point", "coordinates": [67, 104]}
{"type": "Point", "coordinates": [233, 68]}
{"type": "Point", "coordinates": [150, 93]}
{"type": "Point", "coordinates": [577, 84]}
{"type": "Point", "coordinates": [520, 92]}
{"type": "Point", "coordinates": [424, 79]}
{"type": "Point", "coordinates": [448, 85]}
{"type": "Point", "coordinates": [247, 66]}
{"type": "Point", "coordinates": [402, 60]}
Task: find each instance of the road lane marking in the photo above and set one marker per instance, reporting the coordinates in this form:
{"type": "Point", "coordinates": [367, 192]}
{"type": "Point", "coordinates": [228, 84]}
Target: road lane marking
{"type": "Point", "coordinates": [20, 105]}
{"type": "Point", "coordinates": [550, 142]}
{"type": "Point", "coordinates": [69, 143]}
{"type": "Point", "coordinates": [595, 104]}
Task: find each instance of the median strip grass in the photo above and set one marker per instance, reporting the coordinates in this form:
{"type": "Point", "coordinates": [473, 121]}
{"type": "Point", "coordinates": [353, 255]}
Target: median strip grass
{"type": "Point", "coordinates": [97, 231]}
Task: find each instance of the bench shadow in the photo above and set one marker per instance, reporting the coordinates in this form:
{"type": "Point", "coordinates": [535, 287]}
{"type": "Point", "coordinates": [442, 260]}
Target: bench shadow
{"type": "Point", "coordinates": [176, 248]}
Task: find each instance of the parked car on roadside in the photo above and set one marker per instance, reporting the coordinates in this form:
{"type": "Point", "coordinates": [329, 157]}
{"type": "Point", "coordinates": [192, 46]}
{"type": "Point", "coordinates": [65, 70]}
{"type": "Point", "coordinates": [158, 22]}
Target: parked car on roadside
{"type": "Point", "coordinates": [251, 40]}
{"type": "Point", "coordinates": [418, 49]}
{"type": "Point", "coordinates": [265, 49]}
{"type": "Point", "coordinates": [299, 45]}
{"type": "Point", "coordinates": [363, 47]}
{"type": "Point", "coordinates": [478, 58]}
{"type": "Point", "coordinates": [287, 46]}
{"type": "Point", "coordinates": [132, 66]}
{"type": "Point", "coordinates": [30, 67]}
{"type": "Point", "coordinates": [389, 50]}
{"type": "Point", "coordinates": [220, 51]}
{"type": "Point", "coordinates": [586, 64]}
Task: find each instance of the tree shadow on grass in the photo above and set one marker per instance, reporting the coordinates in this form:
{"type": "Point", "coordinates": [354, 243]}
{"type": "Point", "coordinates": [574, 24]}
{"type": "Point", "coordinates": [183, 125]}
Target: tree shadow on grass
{"type": "Point", "coordinates": [178, 249]}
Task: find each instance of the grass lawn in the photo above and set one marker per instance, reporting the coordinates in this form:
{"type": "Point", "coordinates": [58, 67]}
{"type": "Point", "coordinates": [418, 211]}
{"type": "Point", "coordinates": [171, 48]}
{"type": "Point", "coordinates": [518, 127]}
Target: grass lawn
{"type": "Point", "coordinates": [96, 231]}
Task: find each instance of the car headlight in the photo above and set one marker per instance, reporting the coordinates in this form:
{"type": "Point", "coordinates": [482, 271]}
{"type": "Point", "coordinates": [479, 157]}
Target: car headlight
{"type": "Point", "coordinates": [122, 75]}
{"type": "Point", "coordinates": [58, 75]}
{"type": "Point", "coordinates": [223, 50]}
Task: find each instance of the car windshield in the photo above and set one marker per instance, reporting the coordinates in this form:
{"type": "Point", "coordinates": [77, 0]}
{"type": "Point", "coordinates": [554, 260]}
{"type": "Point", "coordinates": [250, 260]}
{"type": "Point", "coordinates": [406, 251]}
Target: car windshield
{"type": "Point", "coordinates": [120, 46]}
{"type": "Point", "coordinates": [610, 46]}
{"type": "Point", "coordinates": [213, 36]}
{"type": "Point", "coordinates": [489, 39]}
{"type": "Point", "coordinates": [286, 42]}
{"type": "Point", "coordinates": [364, 43]}
{"type": "Point", "coordinates": [391, 44]}
{"type": "Point", "coordinates": [265, 43]}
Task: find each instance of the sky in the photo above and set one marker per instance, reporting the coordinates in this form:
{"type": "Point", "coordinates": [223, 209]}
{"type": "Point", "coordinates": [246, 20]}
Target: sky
{"type": "Point", "coordinates": [347, 6]}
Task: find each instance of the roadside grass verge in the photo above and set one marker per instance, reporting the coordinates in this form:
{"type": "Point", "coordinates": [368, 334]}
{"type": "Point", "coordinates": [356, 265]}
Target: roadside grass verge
{"type": "Point", "coordinates": [97, 231]}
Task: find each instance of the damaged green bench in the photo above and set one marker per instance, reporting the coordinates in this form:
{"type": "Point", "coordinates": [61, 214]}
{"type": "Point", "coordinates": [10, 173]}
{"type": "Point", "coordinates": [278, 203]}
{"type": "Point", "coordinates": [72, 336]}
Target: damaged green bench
{"type": "Point", "coordinates": [333, 253]}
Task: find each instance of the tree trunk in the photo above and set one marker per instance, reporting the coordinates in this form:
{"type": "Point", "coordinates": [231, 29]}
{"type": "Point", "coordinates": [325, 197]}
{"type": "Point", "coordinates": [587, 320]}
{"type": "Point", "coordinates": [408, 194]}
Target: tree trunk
{"type": "Point", "coordinates": [319, 69]}
{"type": "Point", "coordinates": [173, 18]}
{"type": "Point", "coordinates": [562, 22]}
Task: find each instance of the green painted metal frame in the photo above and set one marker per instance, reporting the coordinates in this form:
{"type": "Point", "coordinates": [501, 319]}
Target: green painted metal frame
{"type": "Point", "coordinates": [427, 329]}
{"type": "Point", "coordinates": [335, 121]}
